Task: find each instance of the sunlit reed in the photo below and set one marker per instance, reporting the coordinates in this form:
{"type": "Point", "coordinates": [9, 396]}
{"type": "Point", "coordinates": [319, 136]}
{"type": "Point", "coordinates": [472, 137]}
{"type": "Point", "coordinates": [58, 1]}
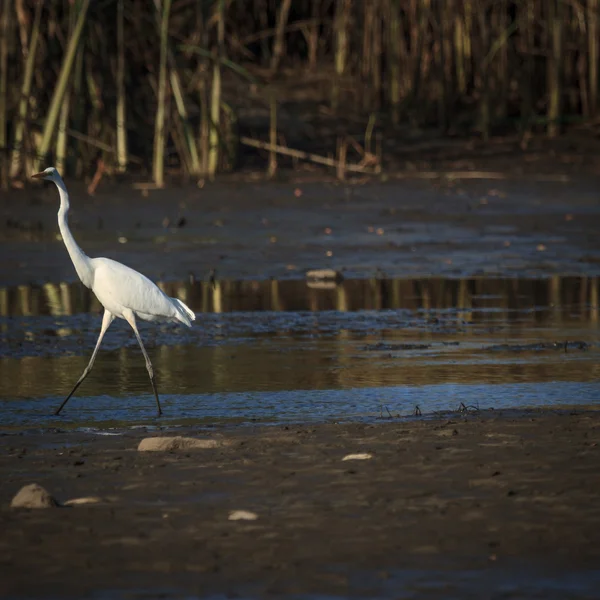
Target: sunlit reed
{"type": "Point", "coordinates": [159, 87]}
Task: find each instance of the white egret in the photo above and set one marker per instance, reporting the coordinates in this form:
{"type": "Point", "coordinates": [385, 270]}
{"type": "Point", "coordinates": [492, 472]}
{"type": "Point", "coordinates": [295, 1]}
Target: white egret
{"type": "Point", "coordinates": [123, 292]}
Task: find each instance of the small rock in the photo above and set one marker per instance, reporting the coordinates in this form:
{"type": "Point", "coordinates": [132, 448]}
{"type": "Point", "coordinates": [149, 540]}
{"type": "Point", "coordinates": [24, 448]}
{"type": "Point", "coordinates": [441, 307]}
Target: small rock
{"type": "Point", "coordinates": [166, 444]}
{"type": "Point", "coordinates": [358, 456]}
{"type": "Point", "coordinates": [324, 274]}
{"type": "Point", "coordinates": [33, 496]}
{"type": "Point", "coordinates": [242, 515]}
{"type": "Point", "coordinates": [84, 500]}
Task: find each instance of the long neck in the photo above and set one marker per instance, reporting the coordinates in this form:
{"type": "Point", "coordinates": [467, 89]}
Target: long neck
{"type": "Point", "coordinates": [80, 260]}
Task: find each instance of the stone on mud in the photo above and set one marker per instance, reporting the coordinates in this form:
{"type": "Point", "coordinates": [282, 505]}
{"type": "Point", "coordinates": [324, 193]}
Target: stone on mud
{"type": "Point", "coordinates": [242, 515]}
{"type": "Point", "coordinates": [33, 496]}
{"type": "Point", "coordinates": [324, 274]}
{"type": "Point", "coordinates": [82, 501]}
{"type": "Point", "coordinates": [166, 444]}
{"type": "Point", "coordinates": [358, 456]}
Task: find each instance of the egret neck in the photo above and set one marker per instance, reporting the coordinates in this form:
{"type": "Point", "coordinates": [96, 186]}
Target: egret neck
{"type": "Point", "coordinates": [80, 259]}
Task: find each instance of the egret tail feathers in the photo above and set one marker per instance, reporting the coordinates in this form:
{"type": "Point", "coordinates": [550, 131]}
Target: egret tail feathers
{"type": "Point", "coordinates": [184, 314]}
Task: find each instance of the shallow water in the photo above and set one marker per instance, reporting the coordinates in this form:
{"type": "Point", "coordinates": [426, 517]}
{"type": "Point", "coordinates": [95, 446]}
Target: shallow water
{"type": "Point", "coordinates": [507, 583]}
{"type": "Point", "coordinates": [289, 351]}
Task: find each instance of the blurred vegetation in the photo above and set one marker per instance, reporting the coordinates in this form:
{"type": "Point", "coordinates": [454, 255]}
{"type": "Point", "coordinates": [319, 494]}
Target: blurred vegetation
{"type": "Point", "coordinates": [570, 298]}
{"type": "Point", "coordinates": [179, 87]}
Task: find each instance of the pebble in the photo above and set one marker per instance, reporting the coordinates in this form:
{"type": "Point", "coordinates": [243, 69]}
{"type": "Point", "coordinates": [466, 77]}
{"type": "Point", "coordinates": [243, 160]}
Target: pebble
{"type": "Point", "coordinates": [358, 456]}
{"type": "Point", "coordinates": [166, 444]}
{"type": "Point", "coordinates": [330, 274]}
{"type": "Point", "coordinates": [33, 496]}
{"type": "Point", "coordinates": [242, 515]}
{"type": "Point", "coordinates": [84, 500]}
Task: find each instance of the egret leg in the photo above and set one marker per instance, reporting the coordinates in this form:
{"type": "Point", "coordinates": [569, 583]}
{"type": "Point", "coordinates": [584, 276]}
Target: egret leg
{"type": "Point", "coordinates": [107, 319]}
{"type": "Point", "coordinates": [130, 318]}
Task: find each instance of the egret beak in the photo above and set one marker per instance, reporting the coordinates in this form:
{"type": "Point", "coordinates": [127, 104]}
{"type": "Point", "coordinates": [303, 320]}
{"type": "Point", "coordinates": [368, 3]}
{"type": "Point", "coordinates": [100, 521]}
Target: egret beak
{"type": "Point", "coordinates": [39, 175]}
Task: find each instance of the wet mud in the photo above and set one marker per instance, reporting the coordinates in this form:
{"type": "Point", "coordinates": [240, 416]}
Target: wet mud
{"type": "Point", "coordinates": [485, 504]}
{"type": "Point", "coordinates": [458, 306]}
{"type": "Point", "coordinates": [255, 230]}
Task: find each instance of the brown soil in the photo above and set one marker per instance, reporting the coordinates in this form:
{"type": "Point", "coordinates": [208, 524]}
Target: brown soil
{"type": "Point", "coordinates": [404, 229]}
{"type": "Point", "coordinates": [538, 214]}
{"type": "Point", "coordinates": [483, 492]}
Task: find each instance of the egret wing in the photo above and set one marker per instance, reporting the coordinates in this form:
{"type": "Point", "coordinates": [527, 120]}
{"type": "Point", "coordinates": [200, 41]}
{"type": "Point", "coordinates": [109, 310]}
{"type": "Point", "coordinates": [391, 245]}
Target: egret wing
{"type": "Point", "coordinates": [122, 287]}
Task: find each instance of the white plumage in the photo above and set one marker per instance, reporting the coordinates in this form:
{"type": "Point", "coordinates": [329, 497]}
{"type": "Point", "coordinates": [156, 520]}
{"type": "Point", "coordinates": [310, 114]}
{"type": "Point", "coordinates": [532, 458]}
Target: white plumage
{"type": "Point", "coordinates": [122, 291]}
{"type": "Point", "coordinates": [119, 287]}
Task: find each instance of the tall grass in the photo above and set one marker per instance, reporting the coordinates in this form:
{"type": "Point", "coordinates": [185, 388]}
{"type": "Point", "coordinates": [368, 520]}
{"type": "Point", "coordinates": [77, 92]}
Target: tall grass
{"type": "Point", "coordinates": [157, 86]}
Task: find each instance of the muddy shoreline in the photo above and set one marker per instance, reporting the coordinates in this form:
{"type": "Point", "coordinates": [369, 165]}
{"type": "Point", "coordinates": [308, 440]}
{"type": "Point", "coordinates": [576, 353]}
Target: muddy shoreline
{"type": "Point", "coordinates": [510, 497]}
{"type": "Point", "coordinates": [458, 505]}
{"type": "Point", "coordinates": [260, 230]}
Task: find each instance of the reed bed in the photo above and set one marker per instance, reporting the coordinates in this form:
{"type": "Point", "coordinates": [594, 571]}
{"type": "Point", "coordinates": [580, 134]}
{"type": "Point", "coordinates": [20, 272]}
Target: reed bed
{"type": "Point", "coordinates": [163, 89]}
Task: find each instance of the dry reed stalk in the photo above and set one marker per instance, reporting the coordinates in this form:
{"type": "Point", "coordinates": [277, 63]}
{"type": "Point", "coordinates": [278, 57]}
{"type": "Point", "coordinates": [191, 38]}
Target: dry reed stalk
{"type": "Point", "coordinates": [189, 145]}
{"type": "Point", "coordinates": [204, 133]}
{"type": "Point", "coordinates": [272, 136]}
{"type": "Point", "coordinates": [527, 80]}
{"type": "Point", "coordinates": [444, 66]}
{"type": "Point", "coordinates": [61, 135]}
{"type": "Point", "coordinates": [394, 37]}
{"type": "Point", "coordinates": [18, 137]}
{"type": "Point", "coordinates": [419, 56]}
{"type": "Point", "coordinates": [187, 148]}
{"type": "Point", "coordinates": [79, 113]}
{"type": "Point", "coordinates": [159, 123]}
{"type": "Point", "coordinates": [555, 24]}
{"type": "Point", "coordinates": [121, 116]}
{"type": "Point", "coordinates": [459, 53]}
{"type": "Point", "coordinates": [63, 119]}
{"type": "Point", "coordinates": [5, 26]}
{"type": "Point", "coordinates": [342, 43]}
{"type": "Point", "coordinates": [279, 41]}
{"type": "Point", "coordinates": [376, 56]}
{"type": "Point", "coordinates": [483, 79]}
{"type": "Point", "coordinates": [505, 31]}
{"type": "Point", "coordinates": [367, 18]}
{"type": "Point", "coordinates": [341, 161]}
{"type": "Point", "coordinates": [215, 106]}
{"type": "Point", "coordinates": [61, 86]}
{"type": "Point", "coordinates": [593, 33]}
{"type": "Point", "coordinates": [312, 39]}
{"type": "Point", "coordinates": [178, 137]}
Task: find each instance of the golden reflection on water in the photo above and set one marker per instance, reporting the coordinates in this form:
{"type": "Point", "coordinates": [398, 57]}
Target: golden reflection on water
{"type": "Point", "coordinates": [578, 293]}
{"type": "Point", "coordinates": [339, 363]}
{"type": "Point", "coordinates": [499, 312]}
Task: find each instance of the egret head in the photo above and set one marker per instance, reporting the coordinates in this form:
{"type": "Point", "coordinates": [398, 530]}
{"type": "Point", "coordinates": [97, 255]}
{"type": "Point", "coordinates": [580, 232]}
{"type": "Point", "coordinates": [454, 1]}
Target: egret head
{"type": "Point", "coordinates": [50, 174]}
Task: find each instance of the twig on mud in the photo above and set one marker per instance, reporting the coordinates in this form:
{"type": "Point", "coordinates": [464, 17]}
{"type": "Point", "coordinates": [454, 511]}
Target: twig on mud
{"type": "Point", "coordinates": [308, 156]}
{"type": "Point", "coordinates": [466, 408]}
{"type": "Point", "coordinates": [91, 190]}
